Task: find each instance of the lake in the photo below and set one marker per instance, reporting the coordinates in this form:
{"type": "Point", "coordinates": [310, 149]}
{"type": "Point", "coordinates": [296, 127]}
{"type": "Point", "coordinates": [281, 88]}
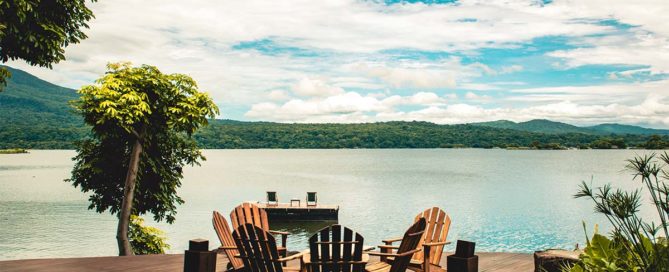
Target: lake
{"type": "Point", "coordinates": [504, 200]}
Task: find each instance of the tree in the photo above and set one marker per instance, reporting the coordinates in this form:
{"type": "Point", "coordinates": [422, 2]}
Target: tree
{"type": "Point", "coordinates": [38, 31]}
{"type": "Point", "coordinates": [142, 124]}
{"type": "Point", "coordinates": [656, 142]}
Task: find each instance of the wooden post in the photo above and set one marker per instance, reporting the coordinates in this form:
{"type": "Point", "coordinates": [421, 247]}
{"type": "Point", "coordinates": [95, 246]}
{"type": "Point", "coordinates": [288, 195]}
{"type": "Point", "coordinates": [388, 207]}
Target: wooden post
{"type": "Point", "coordinates": [464, 259]}
{"type": "Point", "coordinates": [198, 258]}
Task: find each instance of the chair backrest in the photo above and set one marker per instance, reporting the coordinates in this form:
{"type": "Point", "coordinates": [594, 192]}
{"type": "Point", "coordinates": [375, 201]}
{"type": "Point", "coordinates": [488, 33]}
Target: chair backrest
{"type": "Point", "coordinates": [257, 249]}
{"type": "Point", "coordinates": [249, 213]}
{"type": "Point", "coordinates": [409, 242]}
{"type": "Point", "coordinates": [312, 200]}
{"type": "Point", "coordinates": [272, 198]}
{"type": "Point", "coordinates": [336, 249]}
{"type": "Point", "coordinates": [438, 224]}
{"type": "Point", "coordinates": [225, 236]}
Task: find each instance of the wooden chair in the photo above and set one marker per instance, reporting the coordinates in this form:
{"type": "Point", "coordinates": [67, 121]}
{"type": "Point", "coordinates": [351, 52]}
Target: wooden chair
{"type": "Point", "coordinates": [408, 247]}
{"type": "Point", "coordinates": [335, 249]}
{"type": "Point", "coordinates": [433, 242]}
{"type": "Point", "coordinates": [258, 250]}
{"type": "Point", "coordinates": [272, 199]}
{"type": "Point", "coordinates": [228, 245]}
{"type": "Point", "coordinates": [312, 199]}
{"type": "Point", "coordinates": [249, 213]}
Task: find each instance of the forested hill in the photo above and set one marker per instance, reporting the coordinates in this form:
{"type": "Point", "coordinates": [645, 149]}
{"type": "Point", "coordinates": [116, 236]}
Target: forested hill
{"type": "Point", "coordinates": [36, 114]}
{"type": "Point", "coordinates": [552, 127]}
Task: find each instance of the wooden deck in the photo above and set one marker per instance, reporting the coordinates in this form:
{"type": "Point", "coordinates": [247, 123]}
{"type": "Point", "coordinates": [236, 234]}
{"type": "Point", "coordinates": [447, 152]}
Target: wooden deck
{"type": "Point", "coordinates": [503, 262]}
{"type": "Point", "coordinates": [299, 211]}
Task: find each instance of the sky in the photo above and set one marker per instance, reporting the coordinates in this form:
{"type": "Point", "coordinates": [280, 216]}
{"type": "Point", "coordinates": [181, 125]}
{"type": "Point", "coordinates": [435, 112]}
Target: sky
{"type": "Point", "coordinates": [582, 62]}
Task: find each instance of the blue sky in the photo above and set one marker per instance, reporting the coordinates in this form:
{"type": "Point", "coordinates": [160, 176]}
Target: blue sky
{"type": "Point", "coordinates": [581, 62]}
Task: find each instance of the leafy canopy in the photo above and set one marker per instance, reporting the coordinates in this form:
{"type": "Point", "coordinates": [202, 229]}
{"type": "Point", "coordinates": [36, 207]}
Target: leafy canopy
{"type": "Point", "coordinates": [38, 31]}
{"type": "Point", "coordinates": [162, 111]}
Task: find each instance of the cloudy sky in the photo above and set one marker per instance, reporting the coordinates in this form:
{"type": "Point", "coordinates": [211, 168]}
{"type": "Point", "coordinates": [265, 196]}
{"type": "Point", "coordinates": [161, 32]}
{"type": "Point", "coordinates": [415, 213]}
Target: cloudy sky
{"type": "Point", "coordinates": [581, 62]}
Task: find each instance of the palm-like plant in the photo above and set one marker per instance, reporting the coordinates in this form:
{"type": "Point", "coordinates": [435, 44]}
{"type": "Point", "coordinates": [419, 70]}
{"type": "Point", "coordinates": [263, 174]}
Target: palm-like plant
{"type": "Point", "coordinates": [645, 240]}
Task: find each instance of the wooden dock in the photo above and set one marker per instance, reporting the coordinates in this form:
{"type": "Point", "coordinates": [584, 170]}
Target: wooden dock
{"type": "Point", "coordinates": [299, 211]}
{"type": "Point", "coordinates": [502, 262]}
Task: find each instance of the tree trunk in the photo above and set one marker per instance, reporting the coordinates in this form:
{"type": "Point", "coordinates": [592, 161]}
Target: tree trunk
{"type": "Point", "coordinates": [124, 247]}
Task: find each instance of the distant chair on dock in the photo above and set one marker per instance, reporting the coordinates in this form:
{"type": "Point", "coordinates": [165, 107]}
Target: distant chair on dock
{"type": "Point", "coordinates": [337, 249]}
{"type": "Point", "coordinates": [433, 242]}
{"type": "Point", "coordinates": [272, 199]}
{"type": "Point", "coordinates": [258, 250]}
{"type": "Point", "coordinates": [228, 245]}
{"type": "Point", "coordinates": [312, 199]}
{"type": "Point", "coordinates": [407, 249]}
{"type": "Point", "coordinates": [249, 213]}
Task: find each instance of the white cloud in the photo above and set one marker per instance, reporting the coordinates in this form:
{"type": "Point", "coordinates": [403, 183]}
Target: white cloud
{"type": "Point", "coordinates": [315, 87]}
{"type": "Point", "coordinates": [278, 95]}
{"type": "Point", "coordinates": [418, 77]}
{"type": "Point", "coordinates": [475, 97]}
{"type": "Point", "coordinates": [350, 40]}
{"type": "Point", "coordinates": [571, 105]}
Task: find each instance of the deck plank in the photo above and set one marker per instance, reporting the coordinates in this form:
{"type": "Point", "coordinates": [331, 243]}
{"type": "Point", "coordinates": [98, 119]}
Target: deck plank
{"type": "Point", "coordinates": [174, 262]}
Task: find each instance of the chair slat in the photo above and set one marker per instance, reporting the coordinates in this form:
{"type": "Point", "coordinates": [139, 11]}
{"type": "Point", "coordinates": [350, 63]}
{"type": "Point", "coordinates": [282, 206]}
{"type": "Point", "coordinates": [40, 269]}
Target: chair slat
{"type": "Point", "coordinates": [409, 242]}
{"type": "Point", "coordinates": [225, 236]}
{"type": "Point", "coordinates": [257, 249]}
{"type": "Point", "coordinates": [332, 250]}
{"type": "Point", "coordinates": [347, 251]}
{"type": "Point", "coordinates": [336, 247]}
{"type": "Point", "coordinates": [325, 249]}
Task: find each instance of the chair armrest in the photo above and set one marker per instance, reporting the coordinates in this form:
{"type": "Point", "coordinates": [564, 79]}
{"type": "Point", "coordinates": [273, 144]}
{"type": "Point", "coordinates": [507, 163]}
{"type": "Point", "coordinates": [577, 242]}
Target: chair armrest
{"type": "Point", "coordinates": [227, 247]}
{"type": "Point", "coordinates": [368, 248]}
{"type": "Point", "coordinates": [408, 253]}
{"type": "Point", "coordinates": [437, 243]}
{"type": "Point", "coordinates": [390, 241]}
{"type": "Point", "coordinates": [389, 247]}
{"type": "Point", "coordinates": [278, 232]}
{"type": "Point", "coordinates": [291, 257]}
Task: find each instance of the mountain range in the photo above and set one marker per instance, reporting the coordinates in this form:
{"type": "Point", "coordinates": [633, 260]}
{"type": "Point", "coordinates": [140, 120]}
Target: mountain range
{"type": "Point", "coordinates": [36, 114]}
{"type": "Point", "coordinates": [552, 127]}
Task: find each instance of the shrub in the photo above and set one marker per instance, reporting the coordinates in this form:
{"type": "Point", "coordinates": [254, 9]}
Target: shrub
{"type": "Point", "coordinates": [146, 239]}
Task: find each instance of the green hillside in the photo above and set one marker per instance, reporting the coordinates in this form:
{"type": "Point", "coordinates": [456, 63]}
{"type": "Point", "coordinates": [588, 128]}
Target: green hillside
{"type": "Point", "coordinates": [552, 127]}
{"type": "Point", "coordinates": [36, 114]}
{"type": "Point", "coordinates": [627, 129]}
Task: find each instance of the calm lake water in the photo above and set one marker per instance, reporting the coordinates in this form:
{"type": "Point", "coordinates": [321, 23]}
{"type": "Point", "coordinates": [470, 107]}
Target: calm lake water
{"type": "Point", "coordinates": [513, 201]}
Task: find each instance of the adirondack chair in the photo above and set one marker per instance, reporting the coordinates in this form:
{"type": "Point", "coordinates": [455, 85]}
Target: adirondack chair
{"type": "Point", "coordinates": [252, 214]}
{"type": "Point", "coordinates": [258, 250]}
{"type": "Point", "coordinates": [335, 249]}
{"type": "Point", "coordinates": [408, 247]}
{"type": "Point", "coordinates": [433, 242]}
{"type": "Point", "coordinates": [228, 245]}
{"type": "Point", "coordinates": [272, 199]}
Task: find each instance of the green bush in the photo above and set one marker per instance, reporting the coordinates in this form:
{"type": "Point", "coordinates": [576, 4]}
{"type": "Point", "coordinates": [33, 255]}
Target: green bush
{"type": "Point", "coordinates": [144, 239]}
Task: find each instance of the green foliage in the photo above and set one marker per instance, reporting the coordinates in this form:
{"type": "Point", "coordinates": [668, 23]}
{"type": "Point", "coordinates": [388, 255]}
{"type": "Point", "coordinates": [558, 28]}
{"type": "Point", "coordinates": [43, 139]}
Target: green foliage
{"type": "Point", "coordinates": [656, 142]}
{"type": "Point", "coordinates": [552, 127]}
{"type": "Point", "coordinates": [13, 151]}
{"type": "Point", "coordinates": [604, 254]}
{"type": "Point", "coordinates": [638, 244]}
{"type": "Point", "coordinates": [146, 239]}
{"type": "Point", "coordinates": [608, 143]}
{"type": "Point", "coordinates": [168, 109]}
{"type": "Point", "coordinates": [38, 31]}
